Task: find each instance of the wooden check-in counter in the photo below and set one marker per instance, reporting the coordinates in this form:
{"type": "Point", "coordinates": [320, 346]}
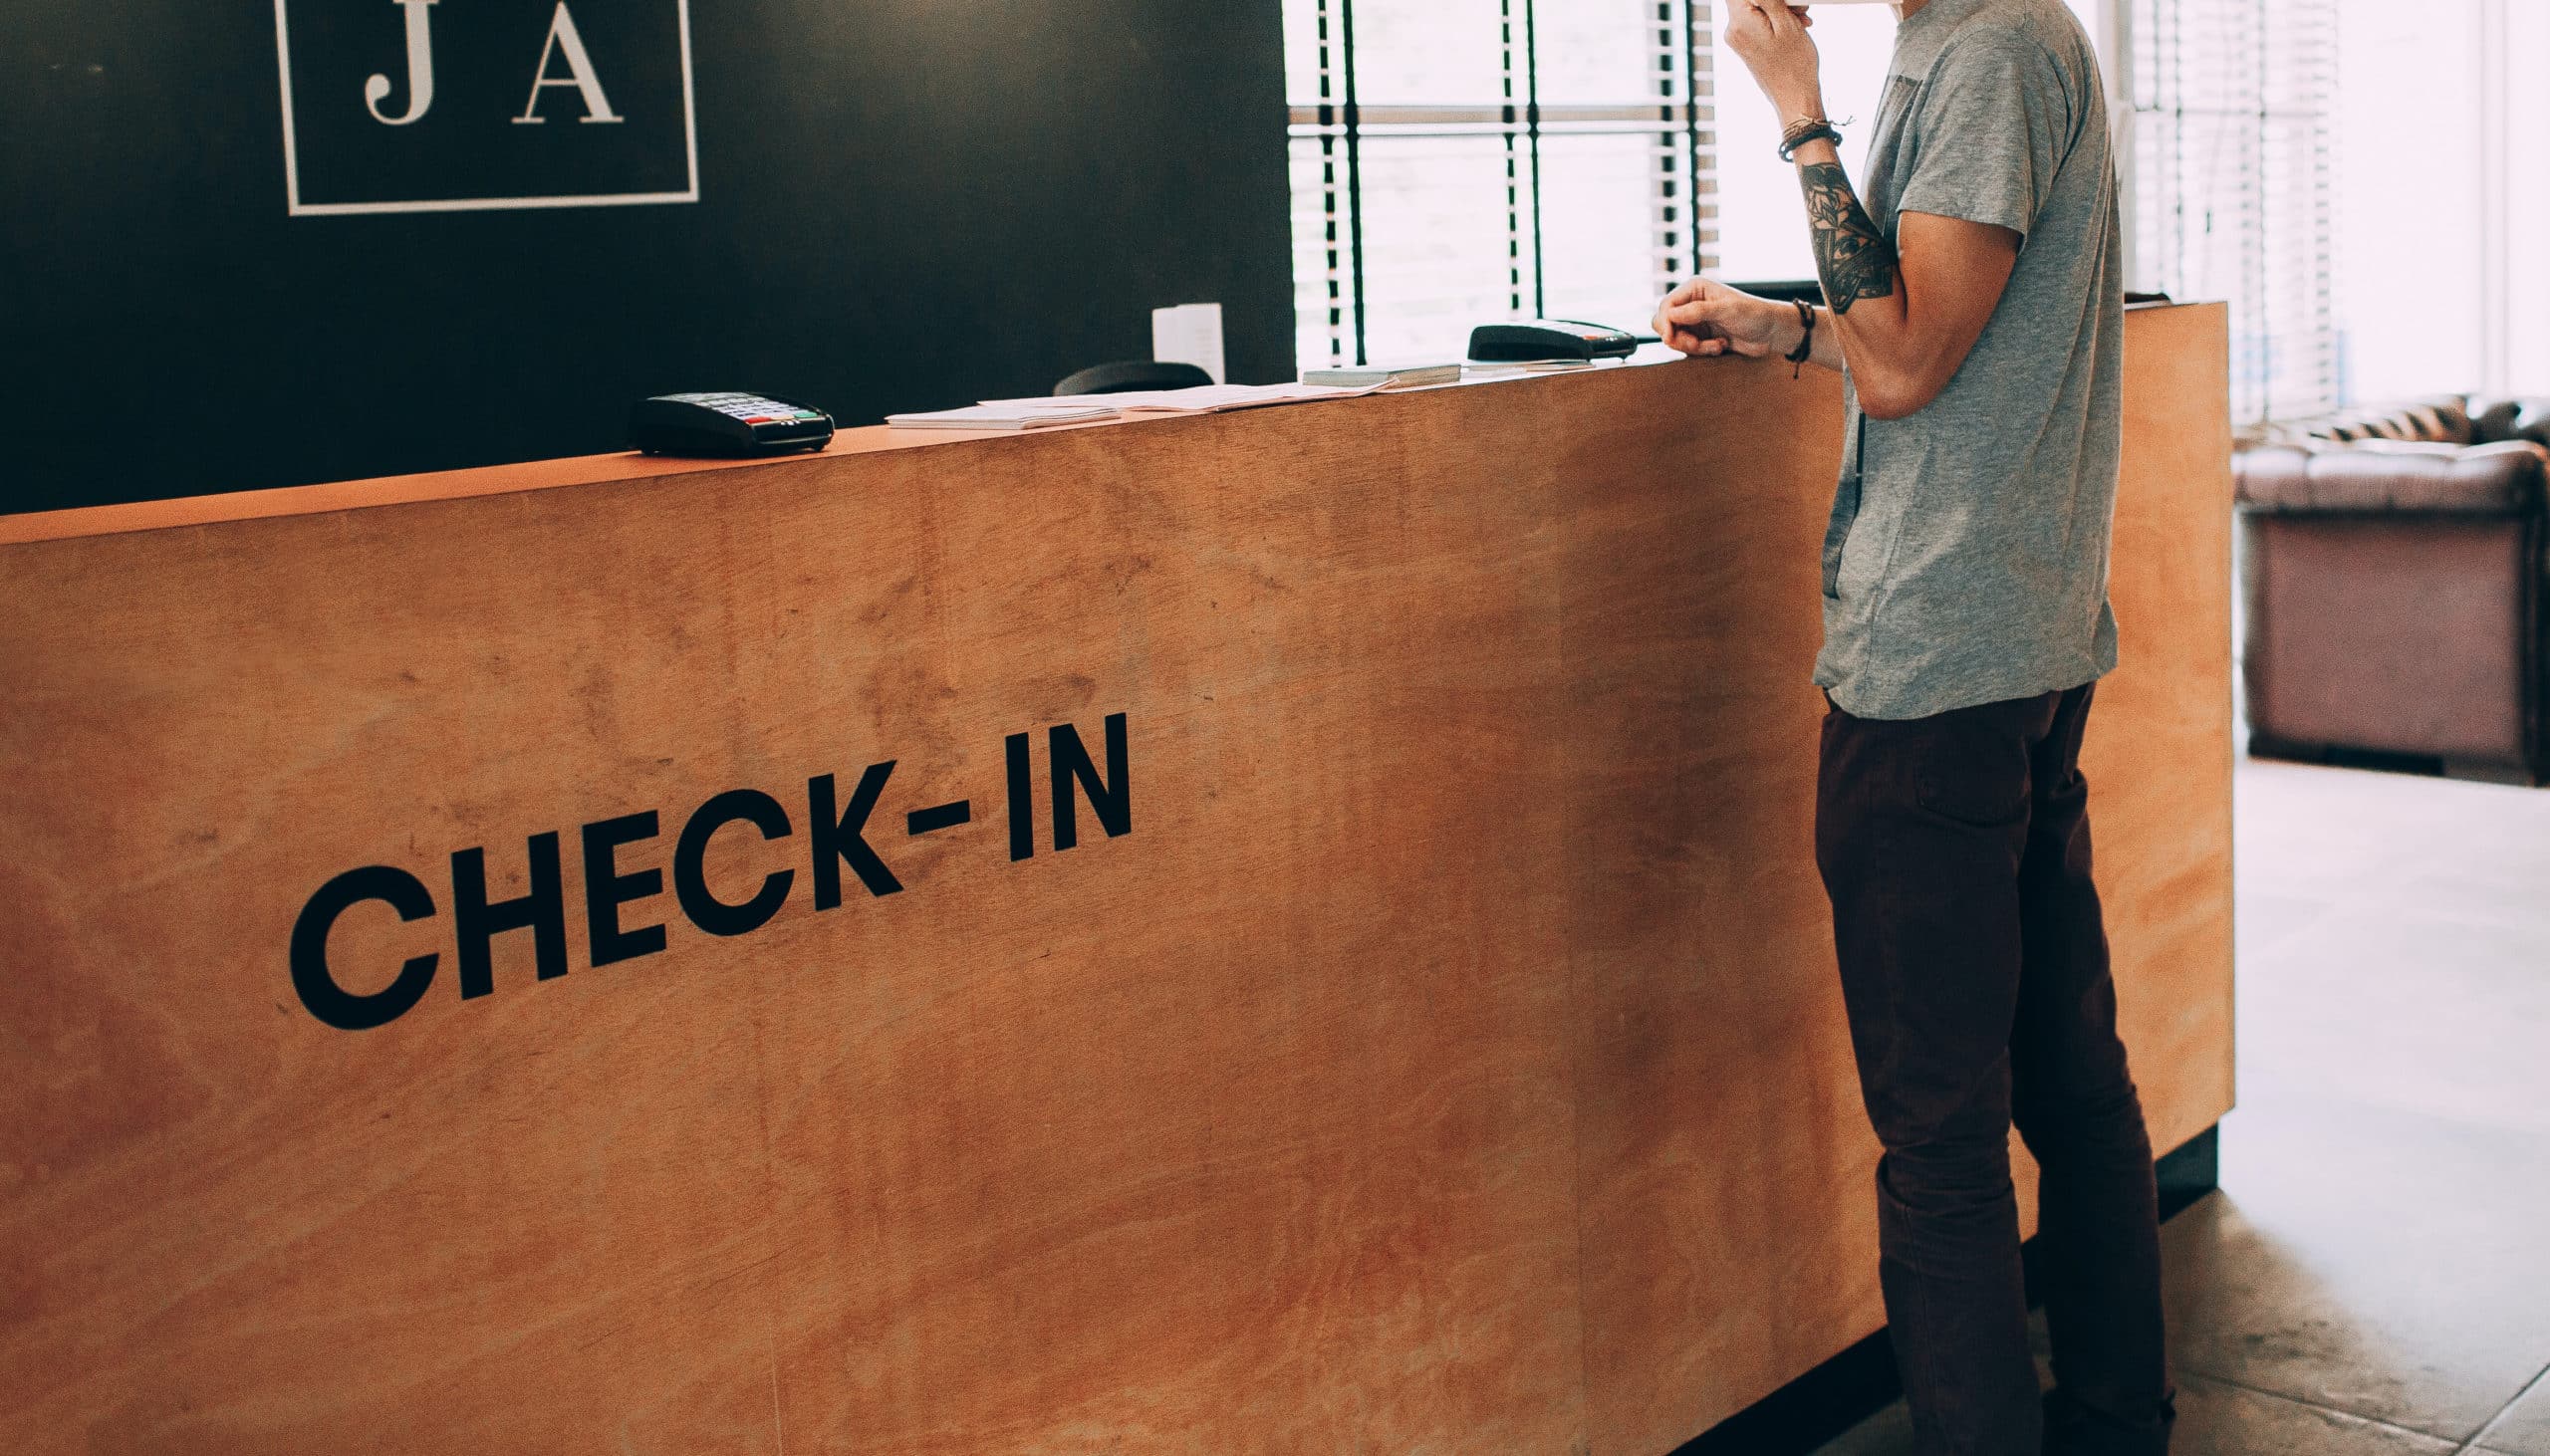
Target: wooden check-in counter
{"type": "Point", "coordinates": [1291, 931]}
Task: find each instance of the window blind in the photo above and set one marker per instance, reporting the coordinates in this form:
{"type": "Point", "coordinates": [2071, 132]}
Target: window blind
{"type": "Point", "coordinates": [1460, 161]}
{"type": "Point", "coordinates": [2232, 183]}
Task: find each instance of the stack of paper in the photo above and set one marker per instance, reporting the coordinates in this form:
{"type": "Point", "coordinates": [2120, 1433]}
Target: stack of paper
{"type": "Point", "coordinates": [1517, 368]}
{"type": "Point", "coordinates": [1202, 399]}
{"type": "Point", "coordinates": [1046, 410]}
{"type": "Point", "coordinates": [1004, 416]}
{"type": "Point", "coordinates": [1386, 377]}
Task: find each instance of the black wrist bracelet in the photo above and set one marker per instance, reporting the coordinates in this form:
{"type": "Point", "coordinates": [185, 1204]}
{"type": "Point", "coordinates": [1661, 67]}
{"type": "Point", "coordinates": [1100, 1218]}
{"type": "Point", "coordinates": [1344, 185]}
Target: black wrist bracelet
{"type": "Point", "coordinates": [1806, 345]}
{"type": "Point", "coordinates": [1803, 132]}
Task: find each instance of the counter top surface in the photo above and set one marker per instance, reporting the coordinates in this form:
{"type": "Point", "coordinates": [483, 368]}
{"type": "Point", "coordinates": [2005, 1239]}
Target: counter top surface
{"type": "Point", "coordinates": [392, 490]}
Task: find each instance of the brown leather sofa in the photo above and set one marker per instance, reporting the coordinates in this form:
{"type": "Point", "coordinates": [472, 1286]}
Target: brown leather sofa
{"type": "Point", "coordinates": [2393, 579]}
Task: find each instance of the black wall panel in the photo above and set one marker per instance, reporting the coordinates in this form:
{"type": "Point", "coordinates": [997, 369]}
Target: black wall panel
{"type": "Point", "coordinates": [903, 204]}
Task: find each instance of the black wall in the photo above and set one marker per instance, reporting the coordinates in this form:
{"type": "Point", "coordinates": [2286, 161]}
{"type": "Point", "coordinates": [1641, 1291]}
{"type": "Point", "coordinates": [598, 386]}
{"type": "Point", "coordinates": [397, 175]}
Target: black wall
{"type": "Point", "coordinates": [905, 204]}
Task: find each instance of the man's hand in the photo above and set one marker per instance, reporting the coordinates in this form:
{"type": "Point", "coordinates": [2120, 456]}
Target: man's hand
{"type": "Point", "coordinates": [1771, 40]}
{"type": "Point", "coordinates": [1706, 317]}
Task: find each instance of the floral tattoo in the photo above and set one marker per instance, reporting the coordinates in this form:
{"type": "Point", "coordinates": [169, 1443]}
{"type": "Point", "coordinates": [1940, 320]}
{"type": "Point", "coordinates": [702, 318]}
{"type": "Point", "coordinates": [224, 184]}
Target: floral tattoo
{"type": "Point", "coordinates": [1855, 259]}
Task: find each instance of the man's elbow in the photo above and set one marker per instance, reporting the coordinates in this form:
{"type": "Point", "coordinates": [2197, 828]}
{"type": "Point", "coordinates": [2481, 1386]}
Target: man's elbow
{"type": "Point", "coordinates": [1878, 402]}
{"type": "Point", "coordinates": [1892, 400]}
{"type": "Point", "coordinates": [1891, 395]}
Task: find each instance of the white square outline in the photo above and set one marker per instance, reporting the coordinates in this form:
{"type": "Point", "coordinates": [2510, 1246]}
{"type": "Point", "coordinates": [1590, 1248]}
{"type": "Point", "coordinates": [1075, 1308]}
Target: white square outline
{"type": "Point", "coordinates": [295, 207]}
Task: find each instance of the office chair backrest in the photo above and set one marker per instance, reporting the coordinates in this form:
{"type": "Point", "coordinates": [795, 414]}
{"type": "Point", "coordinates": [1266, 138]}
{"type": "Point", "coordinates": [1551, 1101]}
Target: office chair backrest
{"type": "Point", "coordinates": [1140, 374]}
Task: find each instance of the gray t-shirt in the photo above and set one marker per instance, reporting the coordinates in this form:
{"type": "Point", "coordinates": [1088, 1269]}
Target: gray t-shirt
{"type": "Point", "coordinates": [1967, 558]}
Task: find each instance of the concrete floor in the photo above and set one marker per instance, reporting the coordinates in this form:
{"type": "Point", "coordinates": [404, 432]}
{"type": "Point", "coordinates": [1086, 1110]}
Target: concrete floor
{"type": "Point", "coordinates": [2373, 1278]}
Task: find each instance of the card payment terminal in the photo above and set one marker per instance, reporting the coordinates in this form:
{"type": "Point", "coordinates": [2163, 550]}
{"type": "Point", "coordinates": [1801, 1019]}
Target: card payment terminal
{"type": "Point", "coordinates": [1538, 338]}
{"type": "Point", "coordinates": [726, 425]}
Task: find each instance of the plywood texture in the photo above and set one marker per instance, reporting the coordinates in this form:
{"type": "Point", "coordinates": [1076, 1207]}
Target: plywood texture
{"type": "Point", "coordinates": [1449, 1058]}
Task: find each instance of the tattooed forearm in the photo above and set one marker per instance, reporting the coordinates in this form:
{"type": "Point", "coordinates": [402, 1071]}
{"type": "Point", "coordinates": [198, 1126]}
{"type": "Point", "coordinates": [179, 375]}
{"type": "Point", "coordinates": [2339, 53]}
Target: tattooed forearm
{"type": "Point", "coordinates": [1855, 260]}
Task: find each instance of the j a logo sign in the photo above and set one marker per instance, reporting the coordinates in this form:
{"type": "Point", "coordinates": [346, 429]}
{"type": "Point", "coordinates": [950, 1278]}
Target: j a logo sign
{"type": "Point", "coordinates": [451, 106]}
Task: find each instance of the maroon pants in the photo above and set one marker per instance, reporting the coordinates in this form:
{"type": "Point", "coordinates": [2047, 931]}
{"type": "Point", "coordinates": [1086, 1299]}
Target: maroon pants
{"type": "Point", "coordinates": [1974, 966]}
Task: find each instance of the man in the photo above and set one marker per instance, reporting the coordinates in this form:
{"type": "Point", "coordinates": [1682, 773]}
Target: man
{"type": "Point", "coordinates": [1975, 308]}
